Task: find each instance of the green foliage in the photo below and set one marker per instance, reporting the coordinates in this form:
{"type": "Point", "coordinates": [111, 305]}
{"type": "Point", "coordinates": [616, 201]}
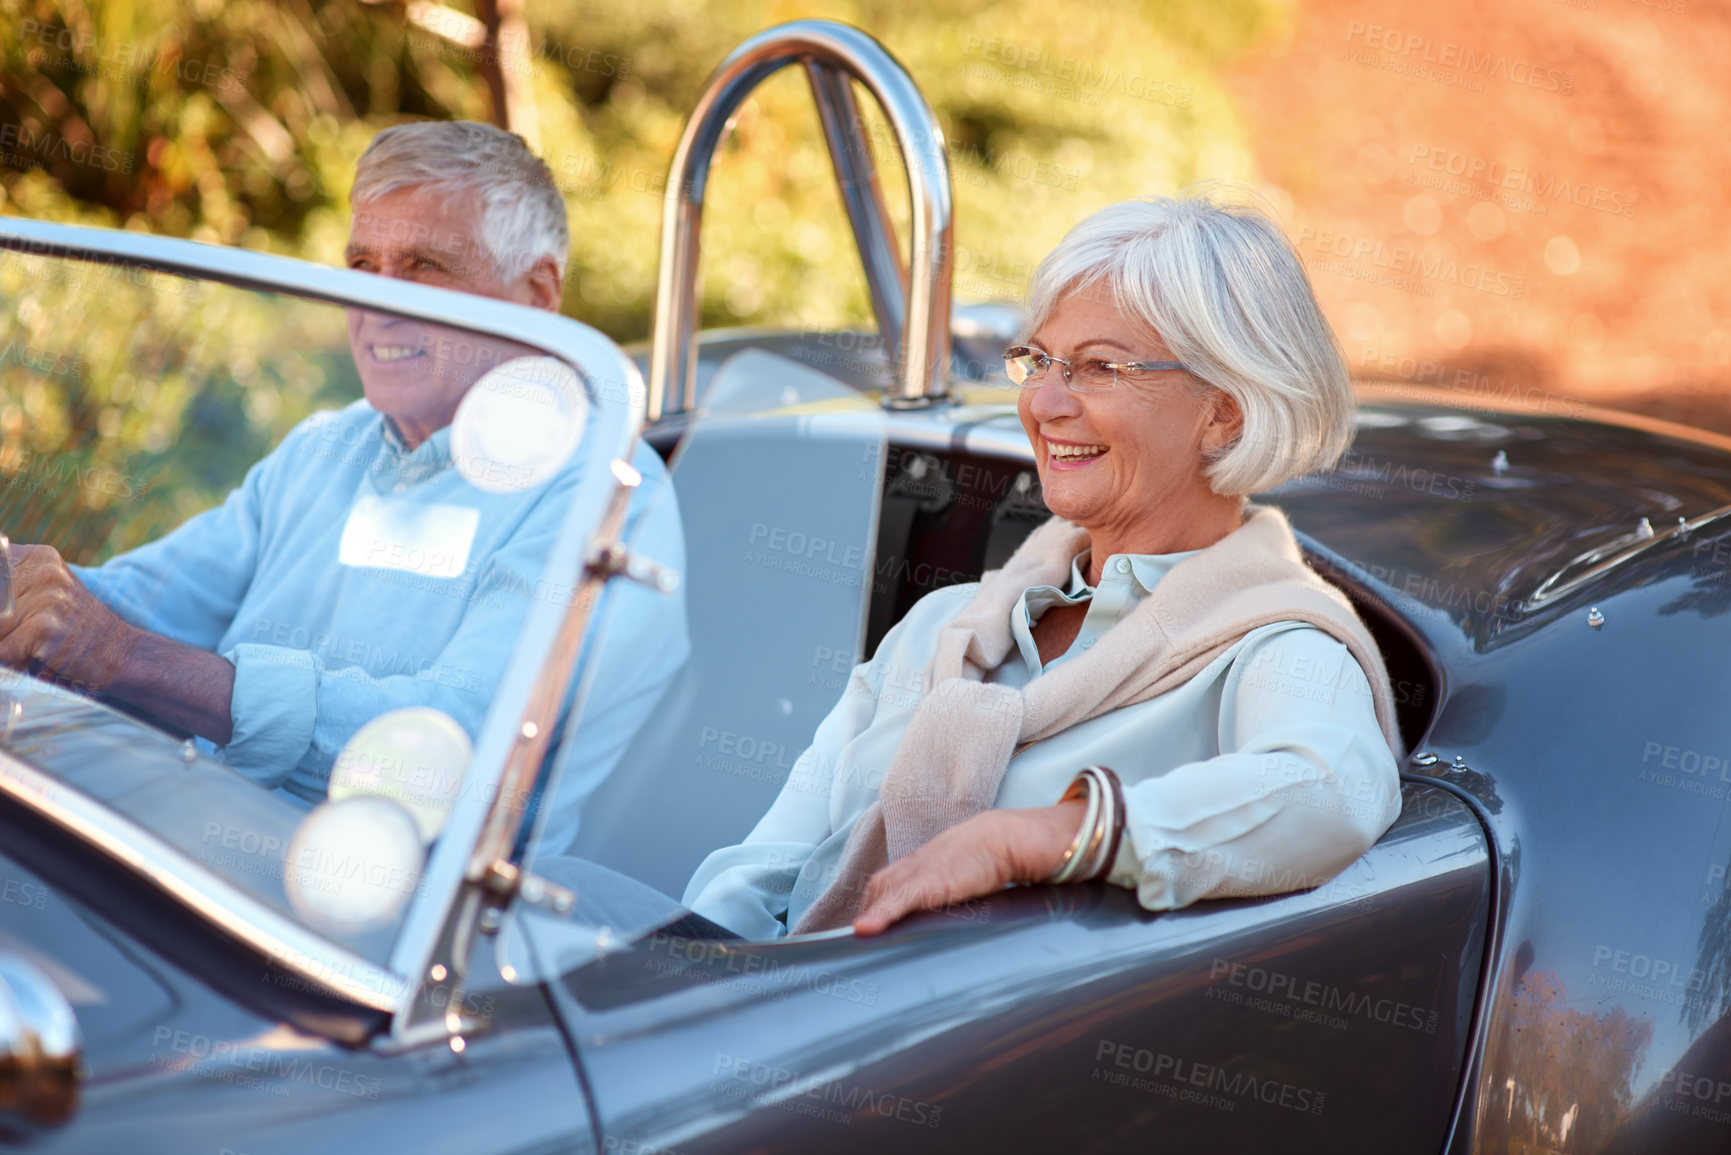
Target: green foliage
{"type": "Point", "coordinates": [131, 400]}
{"type": "Point", "coordinates": [239, 122]}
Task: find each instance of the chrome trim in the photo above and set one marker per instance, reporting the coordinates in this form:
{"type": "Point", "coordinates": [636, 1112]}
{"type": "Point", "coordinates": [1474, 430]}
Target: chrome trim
{"type": "Point", "coordinates": [862, 196]}
{"type": "Point", "coordinates": [491, 880]}
{"type": "Point", "coordinates": [832, 54]}
{"type": "Point", "coordinates": [428, 930]}
{"type": "Point", "coordinates": [41, 1046]}
{"type": "Point", "coordinates": [302, 952]}
{"type": "Point", "coordinates": [1603, 559]}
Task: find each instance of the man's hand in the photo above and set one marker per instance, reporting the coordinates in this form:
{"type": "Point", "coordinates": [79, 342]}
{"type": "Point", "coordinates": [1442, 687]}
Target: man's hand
{"type": "Point", "coordinates": [981, 856]}
{"type": "Point", "coordinates": [57, 622]}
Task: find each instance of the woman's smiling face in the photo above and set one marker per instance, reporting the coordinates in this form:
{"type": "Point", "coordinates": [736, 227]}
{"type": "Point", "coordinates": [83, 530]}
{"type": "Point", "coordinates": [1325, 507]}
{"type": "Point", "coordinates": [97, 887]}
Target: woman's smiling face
{"type": "Point", "coordinates": [1130, 457]}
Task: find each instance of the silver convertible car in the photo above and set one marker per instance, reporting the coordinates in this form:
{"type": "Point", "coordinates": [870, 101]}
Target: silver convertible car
{"type": "Point", "coordinates": [192, 962]}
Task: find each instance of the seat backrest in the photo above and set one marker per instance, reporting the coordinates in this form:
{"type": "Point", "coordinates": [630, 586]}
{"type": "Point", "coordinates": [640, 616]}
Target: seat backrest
{"type": "Point", "coordinates": [778, 514]}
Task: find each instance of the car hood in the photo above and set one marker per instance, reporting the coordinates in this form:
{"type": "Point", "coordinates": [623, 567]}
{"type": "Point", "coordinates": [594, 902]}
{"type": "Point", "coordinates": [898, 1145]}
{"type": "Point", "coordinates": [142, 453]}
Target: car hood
{"type": "Point", "coordinates": [1459, 516]}
{"type": "Point", "coordinates": [118, 996]}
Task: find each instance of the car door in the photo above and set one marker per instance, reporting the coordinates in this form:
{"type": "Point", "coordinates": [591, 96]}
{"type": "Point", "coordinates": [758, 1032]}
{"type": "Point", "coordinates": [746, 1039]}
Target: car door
{"type": "Point", "coordinates": [1053, 1018]}
{"type": "Point", "coordinates": [1336, 1018]}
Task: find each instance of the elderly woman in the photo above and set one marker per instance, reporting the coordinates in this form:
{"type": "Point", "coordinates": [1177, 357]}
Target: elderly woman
{"type": "Point", "coordinates": [1155, 690]}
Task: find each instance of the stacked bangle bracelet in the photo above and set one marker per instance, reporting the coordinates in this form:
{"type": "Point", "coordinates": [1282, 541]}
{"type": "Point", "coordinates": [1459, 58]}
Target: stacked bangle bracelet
{"type": "Point", "coordinates": [1095, 846]}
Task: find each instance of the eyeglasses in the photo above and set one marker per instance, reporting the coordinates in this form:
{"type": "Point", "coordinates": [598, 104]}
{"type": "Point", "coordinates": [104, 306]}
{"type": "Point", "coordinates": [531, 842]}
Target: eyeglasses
{"type": "Point", "coordinates": [1025, 365]}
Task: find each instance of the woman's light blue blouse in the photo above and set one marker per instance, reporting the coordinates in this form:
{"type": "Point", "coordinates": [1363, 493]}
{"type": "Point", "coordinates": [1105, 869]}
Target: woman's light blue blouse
{"type": "Point", "coordinates": [1264, 773]}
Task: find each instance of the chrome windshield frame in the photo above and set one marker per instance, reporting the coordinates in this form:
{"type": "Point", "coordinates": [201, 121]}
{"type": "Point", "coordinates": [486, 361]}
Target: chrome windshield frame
{"type": "Point", "coordinates": [615, 421]}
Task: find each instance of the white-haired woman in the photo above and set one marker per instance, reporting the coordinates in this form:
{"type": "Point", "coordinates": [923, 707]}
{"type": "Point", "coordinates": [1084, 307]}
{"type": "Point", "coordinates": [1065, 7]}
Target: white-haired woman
{"type": "Point", "coordinates": [1155, 690]}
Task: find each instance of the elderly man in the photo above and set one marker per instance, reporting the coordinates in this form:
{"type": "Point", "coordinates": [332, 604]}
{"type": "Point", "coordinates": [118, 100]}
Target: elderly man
{"type": "Point", "coordinates": [277, 624]}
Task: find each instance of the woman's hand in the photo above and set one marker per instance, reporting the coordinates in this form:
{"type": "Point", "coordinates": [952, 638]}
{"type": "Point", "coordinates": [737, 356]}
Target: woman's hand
{"type": "Point", "coordinates": [981, 856]}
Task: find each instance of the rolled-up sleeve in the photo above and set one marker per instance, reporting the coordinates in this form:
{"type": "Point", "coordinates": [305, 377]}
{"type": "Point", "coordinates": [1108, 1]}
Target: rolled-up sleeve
{"type": "Point", "coordinates": [273, 709]}
{"type": "Point", "coordinates": [1304, 784]}
{"type": "Point", "coordinates": [293, 709]}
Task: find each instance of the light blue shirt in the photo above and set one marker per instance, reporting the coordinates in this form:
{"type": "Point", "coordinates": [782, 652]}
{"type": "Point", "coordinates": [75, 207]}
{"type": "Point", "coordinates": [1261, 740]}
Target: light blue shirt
{"type": "Point", "coordinates": [1265, 772]}
{"type": "Point", "coordinates": [348, 576]}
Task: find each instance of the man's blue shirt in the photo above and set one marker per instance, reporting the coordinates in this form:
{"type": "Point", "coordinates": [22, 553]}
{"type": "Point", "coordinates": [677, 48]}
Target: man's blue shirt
{"type": "Point", "coordinates": [348, 576]}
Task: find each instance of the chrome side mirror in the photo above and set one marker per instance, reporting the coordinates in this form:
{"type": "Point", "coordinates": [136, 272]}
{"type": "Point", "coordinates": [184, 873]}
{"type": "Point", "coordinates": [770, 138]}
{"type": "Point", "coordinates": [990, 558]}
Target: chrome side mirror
{"type": "Point", "coordinates": [40, 1046]}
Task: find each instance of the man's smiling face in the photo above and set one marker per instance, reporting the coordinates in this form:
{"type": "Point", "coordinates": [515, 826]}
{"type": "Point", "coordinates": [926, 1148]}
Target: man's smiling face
{"type": "Point", "coordinates": [413, 372]}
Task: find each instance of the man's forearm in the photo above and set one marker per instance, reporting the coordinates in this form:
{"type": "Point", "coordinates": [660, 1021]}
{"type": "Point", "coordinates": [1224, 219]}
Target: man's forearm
{"type": "Point", "coordinates": [185, 687]}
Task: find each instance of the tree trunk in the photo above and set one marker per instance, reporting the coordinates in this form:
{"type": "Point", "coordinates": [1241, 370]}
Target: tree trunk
{"type": "Point", "coordinates": [505, 64]}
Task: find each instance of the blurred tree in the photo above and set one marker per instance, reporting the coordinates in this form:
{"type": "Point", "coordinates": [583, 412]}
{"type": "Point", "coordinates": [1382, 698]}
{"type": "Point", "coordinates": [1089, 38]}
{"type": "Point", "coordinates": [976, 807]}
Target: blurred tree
{"type": "Point", "coordinates": [239, 123]}
{"type": "Point", "coordinates": [1570, 1070]}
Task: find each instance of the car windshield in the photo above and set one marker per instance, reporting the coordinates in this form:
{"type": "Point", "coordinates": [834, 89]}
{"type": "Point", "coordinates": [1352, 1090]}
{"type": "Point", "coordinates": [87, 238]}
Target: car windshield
{"type": "Point", "coordinates": [303, 546]}
{"type": "Point", "coordinates": [777, 479]}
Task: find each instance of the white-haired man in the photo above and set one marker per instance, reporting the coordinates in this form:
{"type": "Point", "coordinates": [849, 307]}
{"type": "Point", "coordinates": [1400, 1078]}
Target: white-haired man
{"type": "Point", "coordinates": [262, 628]}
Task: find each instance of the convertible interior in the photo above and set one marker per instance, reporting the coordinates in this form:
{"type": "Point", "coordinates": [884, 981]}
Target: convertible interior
{"type": "Point", "coordinates": [771, 649]}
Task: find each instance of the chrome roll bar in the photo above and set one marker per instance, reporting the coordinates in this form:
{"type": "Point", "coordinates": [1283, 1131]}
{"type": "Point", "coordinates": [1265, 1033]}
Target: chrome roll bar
{"type": "Point", "coordinates": [913, 305]}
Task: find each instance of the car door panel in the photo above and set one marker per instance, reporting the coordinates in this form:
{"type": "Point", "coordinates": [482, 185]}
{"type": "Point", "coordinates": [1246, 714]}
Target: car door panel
{"type": "Point", "coordinates": [1336, 1018]}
